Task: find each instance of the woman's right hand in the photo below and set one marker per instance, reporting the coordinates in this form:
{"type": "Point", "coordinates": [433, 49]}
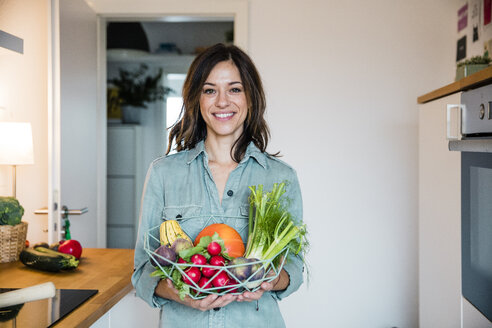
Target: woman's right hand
{"type": "Point", "coordinates": [166, 289]}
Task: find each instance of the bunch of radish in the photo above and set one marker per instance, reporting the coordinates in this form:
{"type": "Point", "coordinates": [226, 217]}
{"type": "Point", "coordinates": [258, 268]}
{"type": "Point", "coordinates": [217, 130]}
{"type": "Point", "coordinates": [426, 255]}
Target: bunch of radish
{"type": "Point", "coordinates": [208, 256]}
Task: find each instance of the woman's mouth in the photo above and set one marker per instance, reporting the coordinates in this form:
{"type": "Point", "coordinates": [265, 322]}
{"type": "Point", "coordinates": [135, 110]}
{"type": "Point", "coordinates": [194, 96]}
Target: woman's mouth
{"type": "Point", "coordinates": [223, 116]}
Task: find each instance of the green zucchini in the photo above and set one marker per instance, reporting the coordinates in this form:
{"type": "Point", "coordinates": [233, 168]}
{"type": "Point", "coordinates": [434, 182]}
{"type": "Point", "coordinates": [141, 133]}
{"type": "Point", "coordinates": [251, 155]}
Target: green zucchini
{"type": "Point", "coordinates": [46, 259]}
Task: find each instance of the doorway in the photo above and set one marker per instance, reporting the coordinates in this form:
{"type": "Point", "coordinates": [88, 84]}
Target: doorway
{"type": "Point", "coordinates": [170, 47]}
{"type": "Point", "coordinates": [77, 107]}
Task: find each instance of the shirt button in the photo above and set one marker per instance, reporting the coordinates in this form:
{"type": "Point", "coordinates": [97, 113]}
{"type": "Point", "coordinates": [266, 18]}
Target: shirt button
{"type": "Point", "coordinates": [178, 216]}
{"type": "Point", "coordinates": [230, 193]}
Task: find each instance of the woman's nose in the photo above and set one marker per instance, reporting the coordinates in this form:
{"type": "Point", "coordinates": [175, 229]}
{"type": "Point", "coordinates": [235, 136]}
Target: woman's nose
{"type": "Point", "coordinates": [222, 100]}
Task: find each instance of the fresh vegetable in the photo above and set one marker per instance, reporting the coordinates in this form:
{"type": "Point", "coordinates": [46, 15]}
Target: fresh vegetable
{"type": "Point", "coordinates": [71, 247]}
{"type": "Point", "coordinates": [204, 283]}
{"type": "Point", "coordinates": [45, 259]}
{"type": "Point", "coordinates": [180, 244]}
{"type": "Point", "coordinates": [217, 260]}
{"type": "Point", "coordinates": [169, 231]}
{"type": "Point", "coordinates": [11, 211]}
{"type": "Point", "coordinates": [208, 271]}
{"type": "Point", "coordinates": [214, 248]}
{"type": "Point", "coordinates": [240, 269]}
{"type": "Point", "coordinates": [221, 280]}
{"type": "Point", "coordinates": [42, 244]}
{"type": "Point", "coordinates": [272, 227]}
{"type": "Point", "coordinates": [192, 274]}
{"type": "Point", "coordinates": [232, 240]}
{"type": "Point", "coordinates": [198, 259]}
{"type": "Point", "coordinates": [167, 254]}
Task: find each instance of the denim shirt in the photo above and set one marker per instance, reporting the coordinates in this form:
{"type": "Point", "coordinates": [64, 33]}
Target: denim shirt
{"type": "Point", "coordinates": [181, 187]}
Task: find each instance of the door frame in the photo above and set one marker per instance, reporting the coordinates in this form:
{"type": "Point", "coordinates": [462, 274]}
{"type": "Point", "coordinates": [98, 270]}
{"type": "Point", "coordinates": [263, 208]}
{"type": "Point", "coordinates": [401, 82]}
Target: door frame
{"type": "Point", "coordinates": [112, 10]}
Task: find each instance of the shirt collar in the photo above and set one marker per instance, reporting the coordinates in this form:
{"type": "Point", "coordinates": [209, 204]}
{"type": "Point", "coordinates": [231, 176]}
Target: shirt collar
{"type": "Point", "coordinates": [251, 151]}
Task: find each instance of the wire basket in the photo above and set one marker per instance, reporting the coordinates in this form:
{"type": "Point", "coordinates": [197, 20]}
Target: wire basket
{"type": "Point", "coordinates": [266, 270]}
{"type": "Point", "coordinates": [12, 241]}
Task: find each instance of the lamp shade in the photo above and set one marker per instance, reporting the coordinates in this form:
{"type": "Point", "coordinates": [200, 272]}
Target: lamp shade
{"type": "Point", "coordinates": [16, 143]}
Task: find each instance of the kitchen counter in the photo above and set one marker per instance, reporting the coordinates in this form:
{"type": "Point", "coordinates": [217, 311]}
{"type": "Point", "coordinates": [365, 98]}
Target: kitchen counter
{"type": "Point", "coordinates": [475, 80]}
{"type": "Point", "coordinates": [107, 270]}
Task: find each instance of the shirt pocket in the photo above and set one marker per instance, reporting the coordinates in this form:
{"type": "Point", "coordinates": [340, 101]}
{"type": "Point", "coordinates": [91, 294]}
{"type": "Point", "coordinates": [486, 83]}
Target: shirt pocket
{"type": "Point", "coordinates": [242, 222]}
{"type": "Point", "coordinates": [188, 217]}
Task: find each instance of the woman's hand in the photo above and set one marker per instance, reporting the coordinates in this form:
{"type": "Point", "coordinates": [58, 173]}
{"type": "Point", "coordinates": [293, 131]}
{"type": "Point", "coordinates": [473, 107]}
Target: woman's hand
{"type": "Point", "coordinates": [279, 283]}
{"type": "Point", "coordinates": [166, 289]}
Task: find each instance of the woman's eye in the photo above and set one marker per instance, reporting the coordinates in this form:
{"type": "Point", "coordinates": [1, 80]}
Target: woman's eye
{"type": "Point", "coordinates": [236, 90]}
{"type": "Point", "coordinates": [208, 91]}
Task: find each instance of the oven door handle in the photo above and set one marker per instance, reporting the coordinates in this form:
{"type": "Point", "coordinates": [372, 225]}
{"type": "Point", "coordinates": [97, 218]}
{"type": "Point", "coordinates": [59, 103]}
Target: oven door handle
{"type": "Point", "coordinates": [454, 116]}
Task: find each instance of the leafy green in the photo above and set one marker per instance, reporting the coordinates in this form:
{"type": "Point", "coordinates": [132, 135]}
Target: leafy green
{"type": "Point", "coordinates": [11, 211]}
{"type": "Point", "coordinates": [271, 226]}
{"type": "Point", "coordinates": [201, 248]}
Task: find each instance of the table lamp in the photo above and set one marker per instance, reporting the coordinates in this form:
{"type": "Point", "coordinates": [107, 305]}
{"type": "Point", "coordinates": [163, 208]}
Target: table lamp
{"type": "Point", "coordinates": [15, 146]}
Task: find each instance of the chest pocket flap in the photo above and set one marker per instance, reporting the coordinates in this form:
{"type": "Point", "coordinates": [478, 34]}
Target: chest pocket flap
{"type": "Point", "coordinates": [189, 218]}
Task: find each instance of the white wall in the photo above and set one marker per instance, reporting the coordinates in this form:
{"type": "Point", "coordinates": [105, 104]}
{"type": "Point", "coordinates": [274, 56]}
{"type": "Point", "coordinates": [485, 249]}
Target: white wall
{"type": "Point", "coordinates": [342, 78]}
{"type": "Point", "coordinates": [23, 93]}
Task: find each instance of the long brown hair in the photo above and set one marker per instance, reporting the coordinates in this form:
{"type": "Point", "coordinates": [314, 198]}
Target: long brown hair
{"type": "Point", "coordinates": [191, 128]}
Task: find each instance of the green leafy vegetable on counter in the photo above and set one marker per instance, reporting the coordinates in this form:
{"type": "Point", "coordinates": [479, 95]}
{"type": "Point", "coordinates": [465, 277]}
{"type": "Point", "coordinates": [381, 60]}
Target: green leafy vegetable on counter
{"type": "Point", "coordinates": [11, 211]}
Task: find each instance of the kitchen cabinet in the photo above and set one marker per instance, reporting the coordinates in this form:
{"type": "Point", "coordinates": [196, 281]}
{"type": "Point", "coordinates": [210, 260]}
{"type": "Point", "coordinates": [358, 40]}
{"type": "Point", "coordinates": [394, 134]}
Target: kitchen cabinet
{"type": "Point", "coordinates": [439, 219]}
{"type": "Point", "coordinates": [124, 184]}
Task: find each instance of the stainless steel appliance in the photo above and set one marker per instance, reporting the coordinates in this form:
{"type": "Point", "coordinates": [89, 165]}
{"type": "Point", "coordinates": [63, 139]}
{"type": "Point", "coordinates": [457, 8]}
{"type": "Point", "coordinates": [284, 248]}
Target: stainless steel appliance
{"type": "Point", "coordinates": [470, 131]}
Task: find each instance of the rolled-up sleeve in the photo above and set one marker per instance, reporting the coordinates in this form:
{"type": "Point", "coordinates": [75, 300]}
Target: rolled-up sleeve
{"type": "Point", "coordinates": [150, 217]}
{"type": "Point", "coordinates": [294, 265]}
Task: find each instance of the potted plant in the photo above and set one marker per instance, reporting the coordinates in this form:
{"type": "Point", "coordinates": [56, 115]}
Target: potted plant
{"type": "Point", "coordinates": [472, 65]}
{"type": "Point", "coordinates": [12, 230]}
{"type": "Point", "coordinates": [136, 89]}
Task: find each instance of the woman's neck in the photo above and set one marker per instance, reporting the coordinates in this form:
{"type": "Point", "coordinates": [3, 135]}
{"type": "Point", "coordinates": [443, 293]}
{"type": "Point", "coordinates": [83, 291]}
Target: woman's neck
{"type": "Point", "coordinates": [219, 150]}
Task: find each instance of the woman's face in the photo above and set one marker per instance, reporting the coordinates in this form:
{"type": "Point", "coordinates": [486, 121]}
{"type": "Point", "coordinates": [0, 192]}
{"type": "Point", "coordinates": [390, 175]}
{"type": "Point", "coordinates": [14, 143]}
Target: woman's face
{"type": "Point", "coordinates": [223, 102]}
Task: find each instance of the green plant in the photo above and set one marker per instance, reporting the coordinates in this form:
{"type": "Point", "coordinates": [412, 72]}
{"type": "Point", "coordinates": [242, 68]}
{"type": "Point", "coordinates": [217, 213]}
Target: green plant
{"type": "Point", "coordinates": [11, 211]}
{"type": "Point", "coordinates": [477, 60]}
{"type": "Point", "coordinates": [136, 88]}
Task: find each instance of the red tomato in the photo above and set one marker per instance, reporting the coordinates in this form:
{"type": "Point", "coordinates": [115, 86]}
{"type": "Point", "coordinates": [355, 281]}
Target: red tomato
{"type": "Point", "coordinates": [71, 247]}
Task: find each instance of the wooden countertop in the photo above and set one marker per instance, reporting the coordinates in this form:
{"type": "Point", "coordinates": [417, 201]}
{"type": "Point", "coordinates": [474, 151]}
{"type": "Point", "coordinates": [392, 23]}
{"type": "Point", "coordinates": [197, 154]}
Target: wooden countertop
{"type": "Point", "coordinates": [475, 80]}
{"type": "Point", "coordinates": [107, 270]}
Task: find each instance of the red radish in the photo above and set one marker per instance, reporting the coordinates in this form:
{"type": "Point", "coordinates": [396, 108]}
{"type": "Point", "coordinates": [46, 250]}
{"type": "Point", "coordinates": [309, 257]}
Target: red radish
{"type": "Point", "coordinates": [232, 283]}
{"type": "Point", "coordinates": [217, 260]}
{"type": "Point", "coordinates": [180, 260]}
{"type": "Point", "coordinates": [214, 248]}
{"type": "Point", "coordinates": [208, 272]}
{"type": "Point", "coordinates": [198, 259]}
{"type": "Point", "coordinates": [191, 274]}
{"type": "Point", "coordinates": [221, 280]}
{"type": "Point", "coordinates": [204, 283]}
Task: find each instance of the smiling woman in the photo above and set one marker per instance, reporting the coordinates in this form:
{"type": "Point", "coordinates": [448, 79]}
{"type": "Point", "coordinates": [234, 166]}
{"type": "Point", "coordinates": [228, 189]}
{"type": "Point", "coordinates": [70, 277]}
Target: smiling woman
{"type": "Point", "coordinates": [221, 141]}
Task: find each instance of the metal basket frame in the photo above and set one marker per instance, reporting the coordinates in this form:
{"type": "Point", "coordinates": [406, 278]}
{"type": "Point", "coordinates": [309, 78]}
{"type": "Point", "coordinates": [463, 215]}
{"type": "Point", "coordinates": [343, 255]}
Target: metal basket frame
{"type": "Point", "coordinates": [271, 272]}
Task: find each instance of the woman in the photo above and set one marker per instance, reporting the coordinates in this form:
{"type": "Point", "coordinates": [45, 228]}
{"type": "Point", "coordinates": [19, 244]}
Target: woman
{"type": "Point", "coordinates": [221, 143]}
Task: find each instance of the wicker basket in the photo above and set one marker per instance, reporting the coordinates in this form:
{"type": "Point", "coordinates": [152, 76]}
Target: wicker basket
{"type": "Point", "coordinates": [12, 241]}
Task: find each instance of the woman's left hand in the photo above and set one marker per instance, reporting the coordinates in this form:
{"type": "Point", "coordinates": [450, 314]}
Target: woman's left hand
{"type": "Point", "coordinates": [279, 283]}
